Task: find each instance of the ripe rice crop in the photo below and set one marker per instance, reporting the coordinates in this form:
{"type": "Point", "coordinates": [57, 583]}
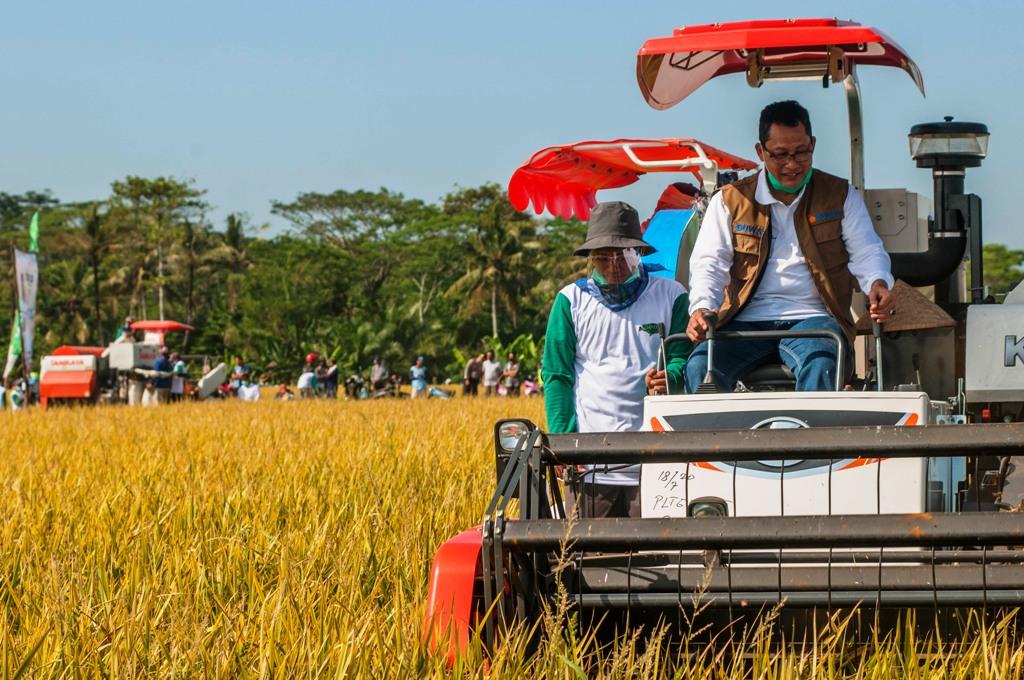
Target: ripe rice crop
{"type": "Point", "coordinates": [284, 539]}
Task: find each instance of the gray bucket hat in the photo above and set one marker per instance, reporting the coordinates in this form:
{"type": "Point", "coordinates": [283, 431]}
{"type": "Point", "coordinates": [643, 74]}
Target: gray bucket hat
{"type": "Point", "coordinates": [614, 225]}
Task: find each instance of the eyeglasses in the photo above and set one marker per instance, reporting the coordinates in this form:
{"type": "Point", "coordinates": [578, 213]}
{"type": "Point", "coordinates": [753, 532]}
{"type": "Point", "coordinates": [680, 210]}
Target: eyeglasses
{"type": "Point", "coordinates": [800, 155]}
{"type": "Point", "coordinates": [625, 256]}
{"type": "Point", "coordinates": [606, 259]}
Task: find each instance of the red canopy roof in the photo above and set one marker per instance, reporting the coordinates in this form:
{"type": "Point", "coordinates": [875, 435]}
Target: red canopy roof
{"type": "Point", "coordinates": [76, 350]}
{"type": "Point", "coordinates": [565, 179]}
{"type": "Point", "coordinates": [670, 69]}
{"type": "Point", "coordinates": [161, 326]}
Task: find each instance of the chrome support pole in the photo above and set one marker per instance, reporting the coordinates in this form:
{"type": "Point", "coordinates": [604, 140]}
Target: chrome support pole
{"type": "Point", "coordinates": [852, 89]}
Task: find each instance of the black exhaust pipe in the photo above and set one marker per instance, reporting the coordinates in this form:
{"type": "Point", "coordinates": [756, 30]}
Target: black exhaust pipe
{"type": "Point", "coordinates": [948, 148]}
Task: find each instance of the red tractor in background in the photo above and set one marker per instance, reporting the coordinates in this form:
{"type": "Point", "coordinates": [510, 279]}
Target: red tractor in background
{"type": "Point", "coordinates": [114, 374]}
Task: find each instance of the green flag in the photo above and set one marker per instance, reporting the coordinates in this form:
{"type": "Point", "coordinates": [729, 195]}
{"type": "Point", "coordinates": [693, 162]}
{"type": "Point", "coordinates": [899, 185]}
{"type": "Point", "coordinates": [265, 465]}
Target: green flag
{"type": "Point", "coordinates": [14, 351]}
{"type": "Point", "coordinates": [33, 234]}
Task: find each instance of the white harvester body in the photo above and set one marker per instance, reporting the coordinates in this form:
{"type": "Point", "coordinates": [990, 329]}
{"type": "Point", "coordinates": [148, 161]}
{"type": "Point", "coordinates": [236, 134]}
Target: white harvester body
{"type": "Point", "coordinates": [850, 485]}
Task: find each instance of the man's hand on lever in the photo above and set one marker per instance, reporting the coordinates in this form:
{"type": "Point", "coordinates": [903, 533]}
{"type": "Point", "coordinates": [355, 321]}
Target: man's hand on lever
{"type": "Point", "coordinates": [881, 303]}
{"type": "Point", "coordinates": [697, 329]}
{"type": "Point", "coordinates": [656, 381]}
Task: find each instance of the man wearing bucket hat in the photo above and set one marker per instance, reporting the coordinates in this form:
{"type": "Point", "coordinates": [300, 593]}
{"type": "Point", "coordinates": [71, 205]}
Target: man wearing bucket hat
{"type": "Point", "coordinates": [601, 350]}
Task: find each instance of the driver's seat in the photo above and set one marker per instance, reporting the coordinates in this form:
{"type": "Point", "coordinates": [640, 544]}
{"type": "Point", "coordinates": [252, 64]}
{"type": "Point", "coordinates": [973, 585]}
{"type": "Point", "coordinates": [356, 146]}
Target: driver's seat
{"type": "Point", "coordinates": [770, 375]}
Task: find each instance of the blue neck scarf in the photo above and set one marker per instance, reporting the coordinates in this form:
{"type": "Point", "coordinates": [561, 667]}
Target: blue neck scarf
{"type": "Point", "coordinates": [617, 296]}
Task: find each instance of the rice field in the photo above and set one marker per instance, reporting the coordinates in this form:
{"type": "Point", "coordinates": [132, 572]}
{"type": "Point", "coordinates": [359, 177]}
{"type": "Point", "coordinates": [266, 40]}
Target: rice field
{"type": "Point", "coordinates": [294, 539]}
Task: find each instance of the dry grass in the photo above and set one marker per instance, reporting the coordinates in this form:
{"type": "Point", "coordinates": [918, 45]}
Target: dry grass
{"type": "Point", "coordinates": [289, 539]}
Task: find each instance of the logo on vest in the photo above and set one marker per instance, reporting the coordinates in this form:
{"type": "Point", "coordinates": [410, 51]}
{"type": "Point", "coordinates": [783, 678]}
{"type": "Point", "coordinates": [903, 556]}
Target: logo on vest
{"type": "Point", "coordinates": [824, 217]}
{"type": "Point", "coordinates": [749, 229]}
{"type": "Point", "coordinates": [649, 328]}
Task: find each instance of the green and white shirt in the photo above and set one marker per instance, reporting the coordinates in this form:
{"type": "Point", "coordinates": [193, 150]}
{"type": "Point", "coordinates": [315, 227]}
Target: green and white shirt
{"type": "Point", "coordinates": [595, 360]}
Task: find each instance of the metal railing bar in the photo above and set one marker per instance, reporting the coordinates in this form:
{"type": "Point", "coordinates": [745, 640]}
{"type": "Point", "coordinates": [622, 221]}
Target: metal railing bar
{"type": "Point", "coordinates": [694, 446]}
{"type": "Point", "coordinates": [792, 531]}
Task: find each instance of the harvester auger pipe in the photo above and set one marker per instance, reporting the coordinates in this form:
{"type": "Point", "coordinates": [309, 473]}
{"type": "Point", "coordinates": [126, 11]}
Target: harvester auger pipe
{"type": "Point", "coordinates": [695, 446]}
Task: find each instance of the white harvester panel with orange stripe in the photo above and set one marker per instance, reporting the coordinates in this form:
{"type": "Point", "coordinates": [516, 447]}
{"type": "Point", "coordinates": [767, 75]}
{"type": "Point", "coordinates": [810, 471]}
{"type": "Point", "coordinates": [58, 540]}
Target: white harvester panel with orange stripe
{"type": "Point", "coordinates": [799, 487]}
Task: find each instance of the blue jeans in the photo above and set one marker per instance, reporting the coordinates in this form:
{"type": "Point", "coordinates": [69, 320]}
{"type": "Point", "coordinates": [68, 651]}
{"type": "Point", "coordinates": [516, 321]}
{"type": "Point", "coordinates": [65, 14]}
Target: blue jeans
{"type": "Point", "coordinates": [812, 360]}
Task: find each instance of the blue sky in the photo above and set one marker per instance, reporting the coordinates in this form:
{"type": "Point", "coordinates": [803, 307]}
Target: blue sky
{"type": "Point", "coordinates": [259, 101]}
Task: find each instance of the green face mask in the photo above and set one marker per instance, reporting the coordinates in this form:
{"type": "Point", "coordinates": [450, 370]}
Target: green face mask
{"type": "Point", "coordinates": [776, 184]}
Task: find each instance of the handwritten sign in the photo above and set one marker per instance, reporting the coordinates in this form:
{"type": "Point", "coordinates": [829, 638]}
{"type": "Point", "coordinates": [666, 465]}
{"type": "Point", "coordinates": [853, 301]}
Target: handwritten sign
{"type": "Point", "coordinates": [663, 489]}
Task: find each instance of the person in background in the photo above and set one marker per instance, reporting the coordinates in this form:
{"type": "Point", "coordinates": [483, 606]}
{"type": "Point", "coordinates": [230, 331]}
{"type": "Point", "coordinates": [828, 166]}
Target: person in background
{"type": "Point", "coordinates": [161, 381]}
{"type": "Point", "coordinates": [601, 351]}
{"type": "Point", "coordinates": [179, 375]}
{"type": "Point", "coordinates": [491, 373]}
{"type": "Point", "coordinates": [418, 378]}
{"type": "Point", "coordinates": [472, 375]}
{"type": "Point", "coordinates": [16, 395]}
{"type": "Point", "coordinates": [510, 375]}
{"type": "Point", "coordinates": [284, 393]}
{"type": "Point", "coordinates": [378, 374]}
{"type": "Point", "coordinates": [307, 383]}
{"type": "Point", "coordinates": [331, 380]}
{"type": "Point", "coordinates": [125, 334]}
{"type": "Point", "coordinates": [240, 374]}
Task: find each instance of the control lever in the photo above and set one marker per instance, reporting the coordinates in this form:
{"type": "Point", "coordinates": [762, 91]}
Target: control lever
{"type": "Point", "coordinates": [876, 330]}
{"type": "Point", "coordinates": [707, 385]}
{"type": "Point", "coordinates": [662, 357]}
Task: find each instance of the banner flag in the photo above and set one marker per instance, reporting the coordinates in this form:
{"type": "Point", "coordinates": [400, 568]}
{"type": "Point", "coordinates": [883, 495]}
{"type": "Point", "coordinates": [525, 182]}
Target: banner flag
{"type": "Point", "coordinates": [26, 269]}
{"type": "Point", "coordinates": [33, 233]}
{"type": "Point", "coordinates": [14, 350]}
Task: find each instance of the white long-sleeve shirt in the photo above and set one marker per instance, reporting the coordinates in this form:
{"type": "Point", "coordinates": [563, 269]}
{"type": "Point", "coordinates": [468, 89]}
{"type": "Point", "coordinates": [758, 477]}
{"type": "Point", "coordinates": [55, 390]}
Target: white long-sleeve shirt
{"type": "Point", "coordinates": [786, 291]}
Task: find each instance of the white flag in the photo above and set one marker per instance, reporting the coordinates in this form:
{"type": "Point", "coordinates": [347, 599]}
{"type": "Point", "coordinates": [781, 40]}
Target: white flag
{"type": "Point", "coordinates": [26, 269]}
{"type": "Point", "coordinates": [14, 349]}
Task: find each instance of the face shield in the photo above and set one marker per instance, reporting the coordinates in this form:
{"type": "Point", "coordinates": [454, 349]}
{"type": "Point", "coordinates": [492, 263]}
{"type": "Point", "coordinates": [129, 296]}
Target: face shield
{"type": "Point", "coordinates": [618, 274]}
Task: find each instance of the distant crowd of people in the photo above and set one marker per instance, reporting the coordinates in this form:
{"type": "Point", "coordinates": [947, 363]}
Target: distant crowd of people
{"type": "Point", "coordinates": [319, 379]}
{"type": "Point", "coordinates": [497, 378]}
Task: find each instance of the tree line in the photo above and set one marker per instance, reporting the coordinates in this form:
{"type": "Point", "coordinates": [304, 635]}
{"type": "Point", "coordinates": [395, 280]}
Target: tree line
{"type": "Point", "coordinates": [357, 274]}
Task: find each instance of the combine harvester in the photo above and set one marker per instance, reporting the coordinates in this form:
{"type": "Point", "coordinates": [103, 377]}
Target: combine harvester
{"type": "Point", "coordinates": [895, 492]}
{"type": "Point", "coordinates": [115, 374]}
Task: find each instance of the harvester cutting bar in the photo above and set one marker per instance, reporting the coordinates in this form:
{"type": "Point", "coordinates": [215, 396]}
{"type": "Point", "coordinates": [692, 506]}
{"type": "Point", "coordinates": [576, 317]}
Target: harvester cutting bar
{"type": "Point", "coordinates": [740, 600]}
{"type": "Point", "coordinates": [738, 533]}
{"type": "Point", "coordinates": [671, 579]}
{"type": "Point", "coordinates": [693, 446]}
{"type": "Point", "coordinates": [890, 557]}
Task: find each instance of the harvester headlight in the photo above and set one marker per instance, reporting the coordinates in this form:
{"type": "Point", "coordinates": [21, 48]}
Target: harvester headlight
{"type": "Point", "coordinates": [708, 507]}
{"type": "Point", "coordinates": [948, 144]}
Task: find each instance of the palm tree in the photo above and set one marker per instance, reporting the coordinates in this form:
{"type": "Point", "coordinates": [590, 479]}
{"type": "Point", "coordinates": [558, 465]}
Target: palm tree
{"type": "Point", "coordinates": [231, 255]}
{"type": "Point", "coordinates": [97, 244]}
{"type": "Point", "coordinates": [498, 265]}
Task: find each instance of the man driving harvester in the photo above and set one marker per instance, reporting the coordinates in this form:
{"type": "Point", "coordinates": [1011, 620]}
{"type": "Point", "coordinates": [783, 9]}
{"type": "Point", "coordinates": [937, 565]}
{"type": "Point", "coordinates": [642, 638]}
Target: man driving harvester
{"type": "Point", "coordinates": [780, 250]}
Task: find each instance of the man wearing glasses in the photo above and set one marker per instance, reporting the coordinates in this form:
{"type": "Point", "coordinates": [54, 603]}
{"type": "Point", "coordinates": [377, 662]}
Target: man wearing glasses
{"type": "Point", "coordinates": [601, 351]}
{"type": "Point", "coordinates": [782, 250]}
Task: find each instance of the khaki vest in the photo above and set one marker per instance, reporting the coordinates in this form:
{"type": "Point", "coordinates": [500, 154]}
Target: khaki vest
{"type": "Point", "coordinates": [819, 230]}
